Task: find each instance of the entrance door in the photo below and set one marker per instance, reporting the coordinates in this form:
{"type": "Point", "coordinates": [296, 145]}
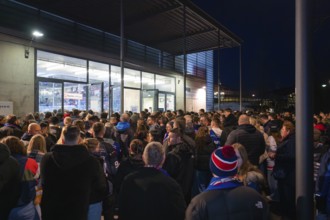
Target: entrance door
{"type": "Point", "coordinates": [95, 95]}
{"type": "Point", "coordinates": [50, 96]}
{"type": "Point", "coordinates": [166, 101]}
{"type": "Point", "coordinates": [149, 98]}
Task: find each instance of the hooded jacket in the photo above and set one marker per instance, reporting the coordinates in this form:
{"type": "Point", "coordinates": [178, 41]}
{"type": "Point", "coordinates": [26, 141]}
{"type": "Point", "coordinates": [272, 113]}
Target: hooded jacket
{"type": "Point", "coordinates": [9, 181]}
{"type": "Point", "coordinates": [252, 139]}
{"type": "Point", "coordinates": [69, 177]}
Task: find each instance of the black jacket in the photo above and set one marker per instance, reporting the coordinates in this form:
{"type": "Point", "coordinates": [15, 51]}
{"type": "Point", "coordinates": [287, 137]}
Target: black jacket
{"type": "Point", "coordinates": [149, 194]}
{"type": "Point", "coordinates": [251, 139]}
{"type": "Point", "coordinates": [179, 164]}
{"type": "Point", "coordinates": [204, 149]}
{"type": "Point", "coordinates": [230, 123]}
{"type": "Point", "coordinates": [126, 167]}
{"type": "Point", "coordinates": [240, 203]}
{"type": "Point", "coordinates": [69, 176]}
{"type": "Point", "coordinates": [10, 179]}
{"type": "Point", "coordinates": [286, 158]}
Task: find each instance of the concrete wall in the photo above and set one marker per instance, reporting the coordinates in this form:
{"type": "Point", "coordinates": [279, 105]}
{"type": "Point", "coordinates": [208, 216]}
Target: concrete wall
{"type": "Point", "coordinates": [17, 77]}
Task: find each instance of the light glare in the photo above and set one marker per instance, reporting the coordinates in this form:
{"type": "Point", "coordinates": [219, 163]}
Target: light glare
{"type": "Point", "coordinates": [37, 34]}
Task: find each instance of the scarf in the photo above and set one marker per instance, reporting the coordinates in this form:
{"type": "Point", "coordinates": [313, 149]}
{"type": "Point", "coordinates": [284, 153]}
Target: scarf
{"type": "Point", "coordinates": [215, 138]}
{"type": "Point", "coordinates": [224, 183]}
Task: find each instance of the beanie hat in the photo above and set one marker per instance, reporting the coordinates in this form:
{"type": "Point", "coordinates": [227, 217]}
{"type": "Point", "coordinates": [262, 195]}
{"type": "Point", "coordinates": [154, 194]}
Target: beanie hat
{"type": "Point", "coordinates": [223, 162]}
{"type": "Point", "coordinates": [122, 126]}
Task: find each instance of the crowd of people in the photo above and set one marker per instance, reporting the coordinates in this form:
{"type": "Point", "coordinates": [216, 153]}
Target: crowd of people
{"type": "Point", "coordinates": [160, 165]}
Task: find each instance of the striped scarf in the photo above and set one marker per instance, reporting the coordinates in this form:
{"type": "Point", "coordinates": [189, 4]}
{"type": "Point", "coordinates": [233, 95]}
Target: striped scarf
{"type": "Point", "coordinates": [224, 183]}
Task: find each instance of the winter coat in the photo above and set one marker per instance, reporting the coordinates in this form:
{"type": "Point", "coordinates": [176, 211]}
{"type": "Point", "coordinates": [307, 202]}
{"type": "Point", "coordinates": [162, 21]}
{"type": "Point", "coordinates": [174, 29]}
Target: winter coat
{"type": "Point", "coordinates": [204, 149]}
{"type": "Point", "coordinates": [69, 176]}
{"type": "Point", "coordinates": [285, 158]}
{"type": "Point", "coordinates": [236, 204]}
{"type": "Point", "coordinates": [251, 139]}
{"type": "Point", "coordinates": [230, 123]}
{"type": "Point", "coordinates": [179, 164]}
{"type": "Point", "coordinates": [126, 167]}
{"type": "Point", "coordinates": [285, 162]}
{"type": "Point", "coordinates": [10, 179]}
{"type": "Point", "coordinates": [149, 194]}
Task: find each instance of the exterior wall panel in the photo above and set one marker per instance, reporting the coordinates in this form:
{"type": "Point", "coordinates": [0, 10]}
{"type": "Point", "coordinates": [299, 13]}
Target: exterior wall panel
{"type": "Point", "coordinates": [17, 77]}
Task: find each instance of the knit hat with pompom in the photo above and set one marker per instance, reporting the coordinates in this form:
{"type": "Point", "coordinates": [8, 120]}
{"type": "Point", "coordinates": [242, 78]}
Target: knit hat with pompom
{"type": "Point", "coordinates": [223, 162]}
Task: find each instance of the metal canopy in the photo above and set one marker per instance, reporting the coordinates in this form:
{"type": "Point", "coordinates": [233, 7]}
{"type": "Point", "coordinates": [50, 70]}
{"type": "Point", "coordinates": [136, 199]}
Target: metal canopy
{"type": "Point", "coordinates": [154, 23]}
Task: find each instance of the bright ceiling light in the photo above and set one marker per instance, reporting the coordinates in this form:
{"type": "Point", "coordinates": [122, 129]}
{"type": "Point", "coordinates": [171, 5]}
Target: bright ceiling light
{"type": "Point", "coordinates": [324, 85]}
{"type": "Point", "coordinates": [37, 34]}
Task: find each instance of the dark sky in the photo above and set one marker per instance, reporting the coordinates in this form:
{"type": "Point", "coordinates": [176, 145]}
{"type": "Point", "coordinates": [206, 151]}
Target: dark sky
{"type": "Point", "coordinates": [268, 31]}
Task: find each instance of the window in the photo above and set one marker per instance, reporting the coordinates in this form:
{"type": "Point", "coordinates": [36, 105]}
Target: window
{"type": "Point", "coordinates": [98, 76]}
{"type": "Point", "coordinates": [165, 84]}
{"type": "Point", "coordinates": [115, 76]}
{"type": "Point", "coordinates": [132, 100]}
{"type": "Point", "coordinates": [132, 78]}
{"type": "Point", "coordinates": [56, 66]}
{"type": "Point", "coordinates": [148, 80]}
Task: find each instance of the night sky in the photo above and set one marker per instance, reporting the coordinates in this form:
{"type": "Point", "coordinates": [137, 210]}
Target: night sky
{"type": "Point", "coordinates": [268, 31]}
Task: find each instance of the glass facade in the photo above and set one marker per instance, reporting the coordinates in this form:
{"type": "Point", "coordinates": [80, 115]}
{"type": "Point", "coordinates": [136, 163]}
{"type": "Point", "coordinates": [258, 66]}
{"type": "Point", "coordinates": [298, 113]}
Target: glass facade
{"type": "Point", "coordinates": [66, 83]}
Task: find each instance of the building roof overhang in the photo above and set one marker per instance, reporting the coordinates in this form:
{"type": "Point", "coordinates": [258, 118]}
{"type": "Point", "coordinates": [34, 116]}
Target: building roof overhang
{"type": "Point", "coordinates": [159, 24]}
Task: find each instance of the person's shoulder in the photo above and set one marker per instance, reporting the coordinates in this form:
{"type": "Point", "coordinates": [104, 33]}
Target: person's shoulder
{"type": "Point", "coordinates": [245, 194]}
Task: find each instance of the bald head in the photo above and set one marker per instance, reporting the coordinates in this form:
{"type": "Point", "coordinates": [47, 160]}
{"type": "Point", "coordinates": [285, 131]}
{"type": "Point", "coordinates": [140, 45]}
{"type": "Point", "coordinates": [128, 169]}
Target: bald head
{"type": "Point", "coordinates": [243, 120]}
{"type": "Point", "coordinates": [124, 117]}
{"type": "Point", "coordinates": [34, 128]}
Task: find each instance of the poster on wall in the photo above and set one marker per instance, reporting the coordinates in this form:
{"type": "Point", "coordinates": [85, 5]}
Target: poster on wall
{"type": "Point", "coordinates": [6, 107]}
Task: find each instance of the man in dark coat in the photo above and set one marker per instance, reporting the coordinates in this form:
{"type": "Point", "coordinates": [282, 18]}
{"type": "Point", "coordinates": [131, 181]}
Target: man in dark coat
{"type": "Point", "coordinates": [10, 179]}
{"type": "Point", "coordinates": [149, 193]}
{"type": "Point", "coordinates": [69, 176]}
{"type": "Point", "coordinates": [225, 197]}
{"type": "Point", "coordinates": [230, 122]}
{"type": "Point", "coordinates": [247, 135]}
{"type": "Point", "coordinates": [179, 162]}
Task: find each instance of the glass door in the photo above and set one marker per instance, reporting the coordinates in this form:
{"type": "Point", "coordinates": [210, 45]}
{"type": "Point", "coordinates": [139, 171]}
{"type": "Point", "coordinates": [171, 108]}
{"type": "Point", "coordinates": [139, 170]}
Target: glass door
{"type": "Point", "coordinates": [95, 95]}
{"type": "Point", "coordinates": [170, 102]}
{"type": "Point", "coordinates": [75, 95]}
{"type": "Point", "coordinates": [166, 101]}
{"type": "Point", "coordinates": [50, 96]}
{"type": "Point", "coordinates": [149, 98]}
{"type": "Point", "coordinates": [161, 102]}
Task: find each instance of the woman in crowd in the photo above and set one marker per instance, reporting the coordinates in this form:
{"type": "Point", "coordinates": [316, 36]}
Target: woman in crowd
{"type": "Point", "coordinates": [36, 149]}
{"type": "Point", "coordinates": [249, 174]}
{"type": "Point", "coordinates": [25, 208]}
{"type": "Point", "coordinates": [169, 127]}
{"type": "Point", "coordinates": [130, 164]}
{"type": "Point", "coordinates": [204, 148]}
{"type": "Point", "coordinates": [284, 170]}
